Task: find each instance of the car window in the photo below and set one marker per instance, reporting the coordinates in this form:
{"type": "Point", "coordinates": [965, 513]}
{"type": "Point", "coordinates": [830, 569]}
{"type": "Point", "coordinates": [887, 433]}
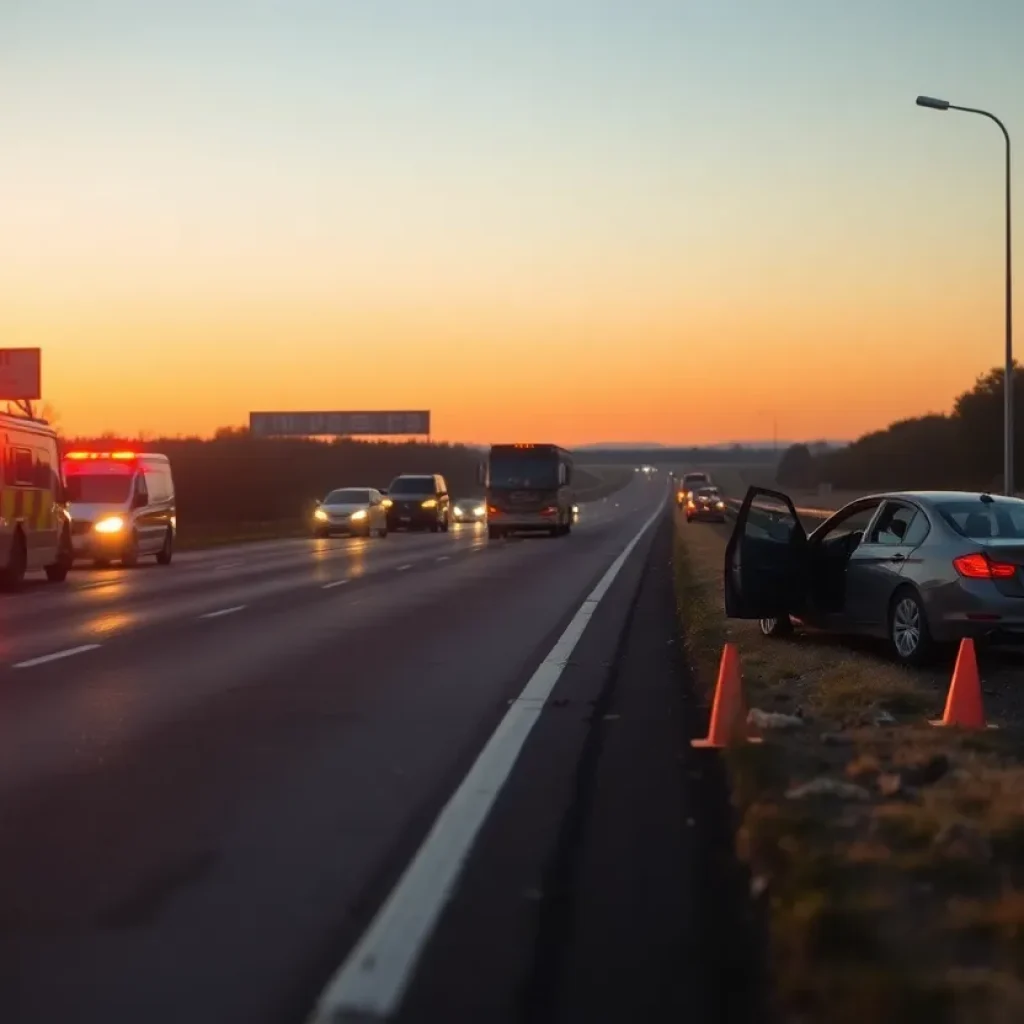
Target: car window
{"type": "Point", "coordinates": [770, 520]}
{"type": "Point", "coordinates": [918, 530]}
{"type": "Point", "coordinates": [984, 520]}
{"type": "Point", "coordinates": [348, 496]}
{"type": "Point", "coordinates": [854, 522]}
{"type": "Point", "coordinates": [892, 525]}
{"type": "Point", "coordinates": [412, 485]}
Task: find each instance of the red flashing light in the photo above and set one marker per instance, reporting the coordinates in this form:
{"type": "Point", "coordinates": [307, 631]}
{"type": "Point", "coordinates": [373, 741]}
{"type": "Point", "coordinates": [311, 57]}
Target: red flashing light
{"type": "Point", "coordinates": [120, 456]}
{"type": "Point", "coordinates": [980, 567]}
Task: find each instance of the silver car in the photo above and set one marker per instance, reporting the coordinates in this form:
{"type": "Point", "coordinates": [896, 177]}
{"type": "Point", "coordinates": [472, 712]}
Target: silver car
{"type": "Point", "coordinates": [918, 568]}
{"type": "Point", "coordinates": [469, 510]}
{"type": "Point", "coordinates": [359, 511]}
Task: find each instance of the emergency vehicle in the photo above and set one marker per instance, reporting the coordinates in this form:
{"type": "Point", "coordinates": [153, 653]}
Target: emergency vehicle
{"type": "Point", "coordinates": [122, 506]}
{"type": "Point", "coordinates": [34, 524]}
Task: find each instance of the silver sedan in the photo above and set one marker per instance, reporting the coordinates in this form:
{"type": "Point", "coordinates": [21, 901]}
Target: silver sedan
{"type": "Point", "coordinates": [920, 569]}
{"type": "Point", "coordinates": [359, 511]}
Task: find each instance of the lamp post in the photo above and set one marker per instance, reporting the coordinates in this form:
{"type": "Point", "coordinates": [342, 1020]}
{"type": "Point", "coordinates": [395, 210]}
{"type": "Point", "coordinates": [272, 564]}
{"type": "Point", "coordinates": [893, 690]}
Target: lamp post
{"type": "Point", "coordinates": [1008, 380]}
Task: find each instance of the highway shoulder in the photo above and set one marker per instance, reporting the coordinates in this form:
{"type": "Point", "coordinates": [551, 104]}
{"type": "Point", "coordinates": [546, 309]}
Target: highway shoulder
{"type": "Point", "coordinates": [603, 887]}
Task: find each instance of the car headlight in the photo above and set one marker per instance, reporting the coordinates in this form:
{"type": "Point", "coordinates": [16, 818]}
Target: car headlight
{"type": "Point", "coordinates": [458, 511]}
{"type": "Point", "coordinates": [719, 504]}
{"type": "Point", "coordinates": [429, 503]}
{"type": "Point", "coordinates": [479, 510]}
{"type": "Point", "coordinates": [320, 514]}
{"type": "Point", "coordinates": [115, 524]}
{"type": "Point", "coordinates": [387, 502]}
{"type": "Point", "coordinates": [359, 514]}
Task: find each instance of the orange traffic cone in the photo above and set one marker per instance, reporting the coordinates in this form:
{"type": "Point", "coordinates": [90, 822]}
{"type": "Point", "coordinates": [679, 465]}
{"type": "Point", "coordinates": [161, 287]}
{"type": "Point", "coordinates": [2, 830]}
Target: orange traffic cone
{"type": "Point", "coordinates": [963, 702]}
{"type": "Point", "coordinates": [728, 712]}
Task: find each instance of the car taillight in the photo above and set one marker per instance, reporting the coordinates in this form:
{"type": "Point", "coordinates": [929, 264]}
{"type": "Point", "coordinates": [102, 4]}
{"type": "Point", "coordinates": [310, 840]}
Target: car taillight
{"type": "Point", "coordinates": [492, 511]}
{"type": "Point", "coordinates": [980, 567]}
{"type": "Point", "coordinates": [549, 510]}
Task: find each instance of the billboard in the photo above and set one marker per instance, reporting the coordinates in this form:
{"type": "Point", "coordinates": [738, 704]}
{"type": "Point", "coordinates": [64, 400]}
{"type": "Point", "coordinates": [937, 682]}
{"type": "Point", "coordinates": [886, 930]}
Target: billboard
{"type": "Point", "coordinates": [20, 374]}
{"type": "Point", "coordinates": [339, 424]}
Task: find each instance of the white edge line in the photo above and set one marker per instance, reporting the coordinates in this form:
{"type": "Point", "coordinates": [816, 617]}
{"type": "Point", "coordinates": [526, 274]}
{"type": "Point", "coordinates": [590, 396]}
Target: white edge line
{"type": "Point", "coordinates": [56, 656]}
{"type": "Point", "coordinates": [334, 583]}
{"type": "Point", "coordinates": [373, 978]}
{"type": "Point", "coordinates": [223, 611]}
{"type": "Point", "coordinates": [442, 558]}
{"type": "Point", "coordinates": [402, 568]}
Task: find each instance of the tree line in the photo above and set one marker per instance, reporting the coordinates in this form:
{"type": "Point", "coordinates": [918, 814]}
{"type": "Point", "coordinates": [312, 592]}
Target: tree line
{"type": "Point", "coordinates": [960, 449]}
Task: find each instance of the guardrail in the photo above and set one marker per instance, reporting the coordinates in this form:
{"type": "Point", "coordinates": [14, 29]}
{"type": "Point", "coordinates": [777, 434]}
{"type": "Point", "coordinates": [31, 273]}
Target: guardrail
{"type": "Point", "coordinates": [801, 510]}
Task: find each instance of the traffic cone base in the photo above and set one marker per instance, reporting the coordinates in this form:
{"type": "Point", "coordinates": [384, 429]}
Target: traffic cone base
{"type": "Point", "coordinates": [728, 724]}
{"type": "Point", "coordinates": [964, 706]}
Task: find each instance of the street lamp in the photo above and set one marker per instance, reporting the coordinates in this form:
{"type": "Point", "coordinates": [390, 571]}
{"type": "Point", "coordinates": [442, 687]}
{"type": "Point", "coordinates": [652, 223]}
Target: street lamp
{"type": "Point", "coordinates": [1008, 381]}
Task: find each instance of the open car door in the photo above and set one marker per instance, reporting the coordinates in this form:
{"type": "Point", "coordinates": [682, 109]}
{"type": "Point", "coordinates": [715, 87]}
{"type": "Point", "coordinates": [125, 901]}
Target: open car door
{"type": "Point", "coordinates": [766, 560]}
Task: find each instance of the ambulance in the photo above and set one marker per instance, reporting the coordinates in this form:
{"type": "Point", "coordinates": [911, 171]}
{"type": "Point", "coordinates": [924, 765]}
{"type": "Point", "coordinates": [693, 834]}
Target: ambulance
{"type": "Point", "coordinates": [122, 506]}
{"type": "Point", "coordinates": [34, 525]}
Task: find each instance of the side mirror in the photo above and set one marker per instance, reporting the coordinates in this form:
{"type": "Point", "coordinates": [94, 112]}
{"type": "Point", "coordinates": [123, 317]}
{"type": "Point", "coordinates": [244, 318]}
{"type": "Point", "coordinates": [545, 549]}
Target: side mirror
{"type": "Point", "coordinates": [383, 492]}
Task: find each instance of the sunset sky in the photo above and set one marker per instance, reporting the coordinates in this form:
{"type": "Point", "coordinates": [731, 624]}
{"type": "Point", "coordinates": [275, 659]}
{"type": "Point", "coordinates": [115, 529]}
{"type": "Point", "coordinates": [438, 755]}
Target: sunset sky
{"type": "Point", "coordinates": [568, 220]}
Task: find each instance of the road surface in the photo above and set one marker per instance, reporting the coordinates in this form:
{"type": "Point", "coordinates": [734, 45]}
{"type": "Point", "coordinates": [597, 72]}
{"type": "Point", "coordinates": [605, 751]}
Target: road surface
{"type": "Point", "coordinates": [212, 775]}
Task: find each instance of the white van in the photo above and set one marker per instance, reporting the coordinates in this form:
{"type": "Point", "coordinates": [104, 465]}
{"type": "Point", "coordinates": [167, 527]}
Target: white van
{"type": "Point", "coordinates": [121, 505]}
{"type": "Point", "coordinates": [34, 528]}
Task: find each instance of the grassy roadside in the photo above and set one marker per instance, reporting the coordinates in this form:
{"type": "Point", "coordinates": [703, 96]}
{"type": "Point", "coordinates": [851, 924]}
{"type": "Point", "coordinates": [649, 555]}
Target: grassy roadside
{"type": "Point", "coordinates": [595, 482]}
{"type": "Point", "coordinates": [902, 898]}
{"type": "Point", "coordinates": [199, 537]}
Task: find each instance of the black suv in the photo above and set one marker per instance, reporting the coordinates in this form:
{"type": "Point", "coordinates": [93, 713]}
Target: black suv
{"type": "Point", "coordinates": [419, 502]}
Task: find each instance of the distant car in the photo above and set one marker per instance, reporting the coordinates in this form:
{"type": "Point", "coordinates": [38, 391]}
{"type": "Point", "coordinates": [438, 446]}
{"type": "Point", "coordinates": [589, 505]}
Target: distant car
{"type": "Point", "coordinates": [706, 505]}
{"type": "Point", "coordinates": [469, 510]}
{"type": "Point", "coordinates": [419, 502]}
{"type": "Point", "coordinates": [918, 568]}
{"type": "Point", "coordinates": [357, 511]}
{"type": "Point", "coordinates": [690, 483]}
{"type": "Point", "coordinates": [575, 513]}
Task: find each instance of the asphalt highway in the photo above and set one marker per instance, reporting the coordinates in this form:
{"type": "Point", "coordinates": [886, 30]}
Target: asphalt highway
{"type": "Point", "coordinates": [213, 774]}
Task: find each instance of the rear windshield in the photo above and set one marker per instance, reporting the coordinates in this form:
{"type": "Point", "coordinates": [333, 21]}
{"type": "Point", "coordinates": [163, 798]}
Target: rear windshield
{"type": "Point", "coordinates": [412, 485]}
{"type": "Point", "coordinates": [982, 520]}
{"type": "Point", "coordinates": [99, 489]}
{"type": "Point", "coordinates": [708, 492]}
{"type": "Point", "coordinates": [348, 496]}
{"type": "Point", "coordinates": [695, 478]}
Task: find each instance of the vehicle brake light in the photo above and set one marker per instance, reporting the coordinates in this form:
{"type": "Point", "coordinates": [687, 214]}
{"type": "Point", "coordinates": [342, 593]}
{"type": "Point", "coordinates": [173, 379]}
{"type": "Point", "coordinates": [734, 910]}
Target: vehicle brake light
{"type": "Point", "coordinates": [549, 510]}
{"type": "Point", "coordinates": [980, 567]}
{"type": "Point", "coordinates": [492, 511]}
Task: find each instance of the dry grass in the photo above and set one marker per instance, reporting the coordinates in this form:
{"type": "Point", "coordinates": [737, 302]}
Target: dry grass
{"type": "Point", "coordinates": [904, 905]}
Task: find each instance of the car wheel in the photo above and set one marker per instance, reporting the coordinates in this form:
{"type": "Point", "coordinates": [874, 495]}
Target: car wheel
{"type": "Point", "coordinates": [166, 553]}
{"type": "Point", "coordinates": [58, 572]}
{"type": "Point", "coordinates": [909, 635]}
{"type": "Point", "coordinates": [776, 627]}
{"type": "Point", "coordinates": [130, 555]}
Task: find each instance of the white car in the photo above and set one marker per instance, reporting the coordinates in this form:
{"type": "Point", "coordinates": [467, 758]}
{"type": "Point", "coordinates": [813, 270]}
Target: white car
{"type": "Point", "coordinates": [469, 510]}
{"type": "Point", "coordinates": [357, 511]}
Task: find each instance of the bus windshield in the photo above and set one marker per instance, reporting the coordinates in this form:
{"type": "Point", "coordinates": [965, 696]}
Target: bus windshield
{"type": "Point", "coordinates": [509, 471]}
